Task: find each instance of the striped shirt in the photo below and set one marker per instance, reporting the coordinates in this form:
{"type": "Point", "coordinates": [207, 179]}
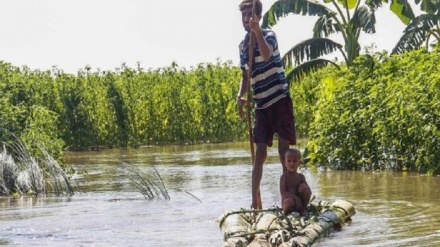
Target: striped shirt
{"type": "Point", "coordinates": [268, 79]}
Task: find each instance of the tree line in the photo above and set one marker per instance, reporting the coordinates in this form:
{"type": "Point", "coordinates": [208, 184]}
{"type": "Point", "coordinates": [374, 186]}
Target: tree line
{"type": "Point", "coordinates": [128, 107]}
{"type": "Point", "coordinates": [382, 112]}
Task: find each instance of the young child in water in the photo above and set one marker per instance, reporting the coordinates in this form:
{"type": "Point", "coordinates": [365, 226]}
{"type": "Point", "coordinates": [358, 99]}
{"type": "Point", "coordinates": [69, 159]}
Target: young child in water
{"type": "Point", "coordinates": [295, 192]}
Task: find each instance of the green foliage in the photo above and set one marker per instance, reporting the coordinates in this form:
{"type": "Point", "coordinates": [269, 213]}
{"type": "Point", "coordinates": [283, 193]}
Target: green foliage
{"type": "Point", "coordinates": [383, 113]}
{"type": "Point", "coordinates": [26, 102]}
{"type": "Point", "coordinates": [41, 130]}
{"type": "Point", "coordinates": [423, 28]}
{"type": "Point", "coordinates": [172, 105]}
{"type": "Point", "coordinates": [345, 18]}
{"type": "Point", "coordinates": [125, 108]}
{"type": "Point", "coordinates": [305, 96]}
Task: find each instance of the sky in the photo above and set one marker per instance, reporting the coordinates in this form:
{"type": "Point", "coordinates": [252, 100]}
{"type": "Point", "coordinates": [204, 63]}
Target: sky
{"type": "Point", "coordinates": [104, 34]}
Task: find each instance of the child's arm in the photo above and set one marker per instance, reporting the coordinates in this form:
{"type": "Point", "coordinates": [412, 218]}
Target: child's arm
{"type": "Point", "coordinates": [243, 84]}
{"type": "Point", "coordinates": [266, 50]}
{"type": "Point", "coordinates": [303, 184]}
{"type": "Point", "coordinates": [283, 191]}
{"type": "Point", "coordinates": [241, 92]}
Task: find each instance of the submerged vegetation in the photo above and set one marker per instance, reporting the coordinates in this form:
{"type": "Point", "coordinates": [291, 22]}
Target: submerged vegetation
{"type": "Point", "coordinates": [148, 183]}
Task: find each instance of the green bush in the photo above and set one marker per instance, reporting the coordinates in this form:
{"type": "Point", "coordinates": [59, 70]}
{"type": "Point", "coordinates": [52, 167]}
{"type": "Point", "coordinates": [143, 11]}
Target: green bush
{"type": "Point", "coordinates": [26, 99]}
{"type": "Point", "coordinates": [127, 107]}
{"type": "Point", "coordinates": [383, 113]}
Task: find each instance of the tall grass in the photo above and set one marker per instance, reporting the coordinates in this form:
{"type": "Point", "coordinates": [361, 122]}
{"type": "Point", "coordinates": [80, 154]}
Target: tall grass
{"type": "Point", "coordinates": [23, 174]}
{"type": "Point", "coordinates": [148, 183]}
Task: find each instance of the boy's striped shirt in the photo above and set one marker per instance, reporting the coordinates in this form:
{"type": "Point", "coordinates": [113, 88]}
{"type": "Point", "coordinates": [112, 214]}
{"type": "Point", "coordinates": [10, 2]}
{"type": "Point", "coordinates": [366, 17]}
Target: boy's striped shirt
{"type": "Point", "coordinates": [268, 79]}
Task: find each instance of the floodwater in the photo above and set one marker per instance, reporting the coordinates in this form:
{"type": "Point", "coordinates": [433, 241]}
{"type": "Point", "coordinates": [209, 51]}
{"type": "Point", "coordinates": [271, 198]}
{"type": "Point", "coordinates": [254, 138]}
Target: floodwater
{"type": "Point", "coordinates": [393, 209]}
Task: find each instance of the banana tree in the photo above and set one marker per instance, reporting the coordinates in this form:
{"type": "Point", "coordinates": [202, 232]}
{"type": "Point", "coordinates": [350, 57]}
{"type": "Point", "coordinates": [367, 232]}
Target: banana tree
{"type": "Point", "coordinates": [346, 17]}
{"type": "Point", "coordinates": [422, 29]}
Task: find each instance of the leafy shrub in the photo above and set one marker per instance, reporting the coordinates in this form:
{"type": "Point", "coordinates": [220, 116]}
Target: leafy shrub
{"type": "Point", "coordinates": [383, 113]}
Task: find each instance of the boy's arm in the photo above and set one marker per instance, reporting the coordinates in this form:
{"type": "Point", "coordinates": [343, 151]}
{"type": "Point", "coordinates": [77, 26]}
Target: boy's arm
{"type": "Point", "coordinates": [243, 84]}
{"type": "Point", "coordinates": [283, 191]}
{"type": "Point", "coordinates": [266, 50]}
{"type": "Point", "coordinates": [302, 183]}
{"type": "Point", "coordinates": [304, 179]}
{"type": "Point", "coordinates": [241, 92]}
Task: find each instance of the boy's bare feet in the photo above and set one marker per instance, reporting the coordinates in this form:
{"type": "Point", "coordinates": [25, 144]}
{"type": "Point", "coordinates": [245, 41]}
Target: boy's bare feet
{"type": "Point", "coordinates": [304, 213]}
{"type": "Point", "coordinates": [257, 204]}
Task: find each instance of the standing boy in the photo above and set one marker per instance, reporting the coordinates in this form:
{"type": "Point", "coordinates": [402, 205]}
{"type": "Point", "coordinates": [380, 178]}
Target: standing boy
{"type": "Point", "coordinates": [273, 105]}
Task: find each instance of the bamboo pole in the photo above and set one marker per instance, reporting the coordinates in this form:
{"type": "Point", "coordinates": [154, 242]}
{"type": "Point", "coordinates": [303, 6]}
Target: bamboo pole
{"type": "Point", "coordinates": [249, 84]}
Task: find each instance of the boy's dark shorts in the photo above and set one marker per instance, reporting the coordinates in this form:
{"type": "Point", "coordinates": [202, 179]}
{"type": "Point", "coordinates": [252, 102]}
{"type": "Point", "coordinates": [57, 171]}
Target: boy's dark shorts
{"type": "Point", "coordinates": [277, 118]}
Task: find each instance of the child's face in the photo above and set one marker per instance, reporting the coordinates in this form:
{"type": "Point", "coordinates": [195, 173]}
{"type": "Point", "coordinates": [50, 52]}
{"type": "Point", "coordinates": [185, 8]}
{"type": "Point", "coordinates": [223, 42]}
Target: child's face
{"type": "Point", "coordinates": [292, 161]}
{"type": "Point", "coordinates": [246, 15]}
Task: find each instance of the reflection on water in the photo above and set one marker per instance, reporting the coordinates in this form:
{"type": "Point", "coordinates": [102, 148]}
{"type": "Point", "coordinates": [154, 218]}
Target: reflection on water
{"type": "Point", "coordinates": [393, 209]}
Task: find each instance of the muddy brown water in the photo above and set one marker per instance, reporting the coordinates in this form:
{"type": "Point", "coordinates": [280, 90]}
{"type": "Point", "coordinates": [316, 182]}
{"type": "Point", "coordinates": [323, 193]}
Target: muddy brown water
{"type": "Point", "coordinates": [393, 209]}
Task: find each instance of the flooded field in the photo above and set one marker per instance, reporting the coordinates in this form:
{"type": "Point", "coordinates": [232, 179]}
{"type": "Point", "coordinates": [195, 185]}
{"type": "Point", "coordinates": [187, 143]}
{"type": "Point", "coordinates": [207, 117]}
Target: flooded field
{"type": "Point", "coordinates": [393, 209]}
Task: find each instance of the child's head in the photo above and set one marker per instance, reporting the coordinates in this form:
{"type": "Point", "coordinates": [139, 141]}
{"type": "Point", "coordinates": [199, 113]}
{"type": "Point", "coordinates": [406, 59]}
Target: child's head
{"type": "Point", "coordinates": [246, 11]}
{"type": "Point", "coordinates": [247, 4]}
{"type": "Point", "coordinates": [292, 159]}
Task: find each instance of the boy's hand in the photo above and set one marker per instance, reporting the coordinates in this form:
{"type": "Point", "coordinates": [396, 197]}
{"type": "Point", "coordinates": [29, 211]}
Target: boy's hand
{"type": "Point", "coordinates": [303, 188]}
{"type": "Point", "coordinates": [240, 103]}
{"type": "Point", "coordinates": [254, 24]}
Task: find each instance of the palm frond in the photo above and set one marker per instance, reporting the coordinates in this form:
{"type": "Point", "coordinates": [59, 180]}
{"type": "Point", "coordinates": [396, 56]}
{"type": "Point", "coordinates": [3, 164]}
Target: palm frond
{"type": "Point", "coordinates": [364, 18]}
{"type": "Point", "coordinates": [429, 6]}
{"type": "Point", "coordinates": [415, 33]}
{"type": "Point", "coordinates": [402, 9]}
{"type": "Point", "coordinates": [282, 8]}
{"type": "Point", "coordinates": [433, 33]}
{"type": "Point", "coordinates": [374, 4]}
{"type": "Point", "coordinates": [323, 27]}
{"type": "Point", "coordinates": [306, 68]}
{"type": "Point", "coordinates": [350, 4]}
{"type": "Point", "coordinates": [310, 49]}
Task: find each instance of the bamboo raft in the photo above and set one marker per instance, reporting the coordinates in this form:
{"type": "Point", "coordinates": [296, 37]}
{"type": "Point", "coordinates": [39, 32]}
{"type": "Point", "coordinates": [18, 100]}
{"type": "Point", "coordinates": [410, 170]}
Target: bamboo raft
{"type": "Point", "coordinates": [270, 227]}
